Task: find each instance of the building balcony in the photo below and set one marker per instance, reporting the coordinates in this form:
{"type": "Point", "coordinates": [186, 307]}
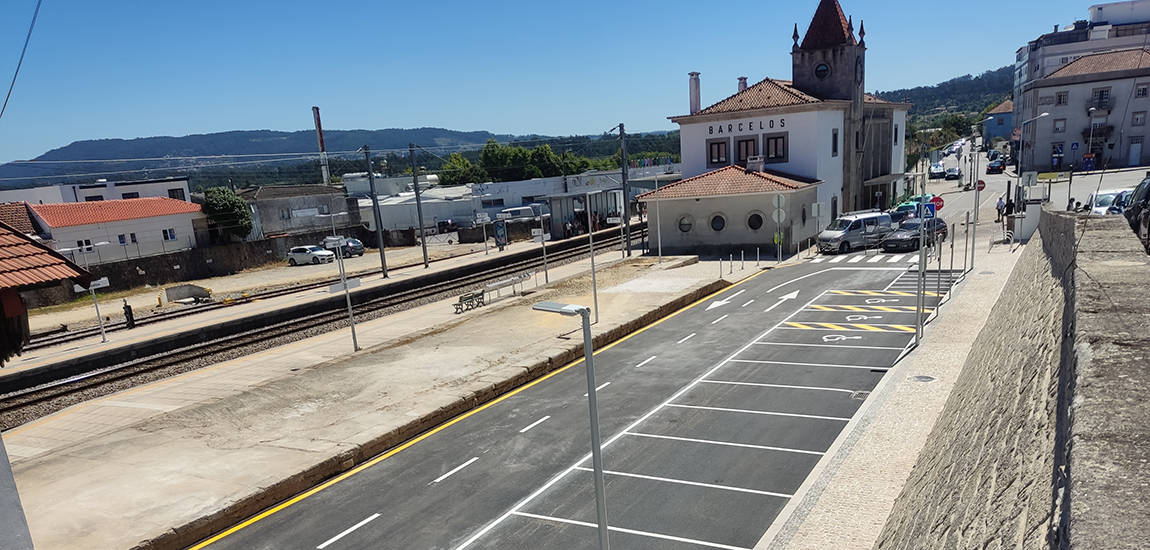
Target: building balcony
{"type": "Point", "coordinates": [1100, 106]}
{"type": "Point", "coordinates": [1101, 133]}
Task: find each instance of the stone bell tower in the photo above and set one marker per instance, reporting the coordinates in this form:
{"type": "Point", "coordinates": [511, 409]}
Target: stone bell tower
{"type": "Point", "coordinates": [831, 65]}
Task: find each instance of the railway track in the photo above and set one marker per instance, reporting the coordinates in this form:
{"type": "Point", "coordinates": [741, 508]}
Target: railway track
{"type": "Point", "coordinates": [24, 405]}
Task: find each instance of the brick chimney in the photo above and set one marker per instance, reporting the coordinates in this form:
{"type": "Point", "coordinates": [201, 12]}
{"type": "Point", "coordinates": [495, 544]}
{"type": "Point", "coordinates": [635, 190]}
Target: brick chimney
{"type": "Point", "coordinates": [742, 83]}
{"type": "Point", "coordinates": [694, 92]}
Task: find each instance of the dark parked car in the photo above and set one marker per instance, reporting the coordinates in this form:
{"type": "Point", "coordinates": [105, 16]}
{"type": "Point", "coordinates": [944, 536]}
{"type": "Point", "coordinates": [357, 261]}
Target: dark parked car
{"type": "Point", "coordinates": [954, 173]}
{"type": "Point", "coordinates": [1137, 204]}
{"type": "Point", "coordinates": [906, 237]}
{"type": "Point", "coordinates": [994, 154]}
{"type": "Point", "coordinates": [995, 167]}
{"type": "Point", "coordinates": [354, 247]}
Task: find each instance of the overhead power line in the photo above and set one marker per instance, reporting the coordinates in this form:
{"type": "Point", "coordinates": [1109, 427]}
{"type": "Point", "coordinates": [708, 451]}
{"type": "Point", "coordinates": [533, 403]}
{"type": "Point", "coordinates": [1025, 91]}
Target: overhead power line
{"type": "Point", "coordinates": [22, 52]}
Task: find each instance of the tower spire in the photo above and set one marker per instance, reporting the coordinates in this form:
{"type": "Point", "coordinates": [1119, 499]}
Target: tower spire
{"type": "Point", "coordinates": [829, 27]}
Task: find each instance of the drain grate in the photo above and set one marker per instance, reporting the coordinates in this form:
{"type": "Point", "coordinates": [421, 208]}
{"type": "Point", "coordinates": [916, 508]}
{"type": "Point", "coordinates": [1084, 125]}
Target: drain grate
{"type": "Point", "coordinates": [921, 378]}
{"type": "Point", "coordinates": [860, 394]}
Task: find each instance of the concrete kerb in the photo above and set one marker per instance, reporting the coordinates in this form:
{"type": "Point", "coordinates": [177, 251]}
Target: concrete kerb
{"type": "Point", "coordinates": [351, 460]}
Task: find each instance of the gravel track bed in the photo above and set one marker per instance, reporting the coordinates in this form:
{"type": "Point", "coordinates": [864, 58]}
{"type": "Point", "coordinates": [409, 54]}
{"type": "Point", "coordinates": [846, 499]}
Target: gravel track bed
{"type": "Point", "coordinates": [197, 360]}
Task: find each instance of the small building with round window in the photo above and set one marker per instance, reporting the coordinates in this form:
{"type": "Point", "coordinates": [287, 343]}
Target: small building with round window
{"type": "Point", "coordinates": [732, 210]}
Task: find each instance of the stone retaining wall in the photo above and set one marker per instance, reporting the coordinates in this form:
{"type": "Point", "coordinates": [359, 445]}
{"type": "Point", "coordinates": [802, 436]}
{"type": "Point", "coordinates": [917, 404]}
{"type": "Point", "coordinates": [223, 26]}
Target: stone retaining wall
{"type": "Point", "coordinates": [987, 475]}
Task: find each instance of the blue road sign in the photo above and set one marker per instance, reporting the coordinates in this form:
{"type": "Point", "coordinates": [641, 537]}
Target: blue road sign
{"type": "Point", "coordinates": [929, 210]}
{"type": "Point", "coordinates": [1074, 146]}
{"type": "Point", "coordinates": [1058, 149]}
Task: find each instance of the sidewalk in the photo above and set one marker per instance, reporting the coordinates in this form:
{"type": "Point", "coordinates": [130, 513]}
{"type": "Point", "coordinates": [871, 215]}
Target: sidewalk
{"type": "Point", "coordinates": [172, 461]}
{"type": "Point", "coordinates": [845, 502]}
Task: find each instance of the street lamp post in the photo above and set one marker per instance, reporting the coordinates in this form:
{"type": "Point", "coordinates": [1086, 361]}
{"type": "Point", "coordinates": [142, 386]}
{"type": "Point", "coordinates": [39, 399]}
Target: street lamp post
{"type": "Point", "coordinates": [571, 310]}
{"type": "Point", "coordinates": [378, 218]}
{"type": "Point", "coordinates": [658, 225]}
{"type": "Point", "coordinates": [977, 194]}
{"type": "Point", "coordinates": [543, 240]}
{"type": "Point", "coordinates": [338, 243]}
{"type": "Point", "coordinates": [1021, 152]}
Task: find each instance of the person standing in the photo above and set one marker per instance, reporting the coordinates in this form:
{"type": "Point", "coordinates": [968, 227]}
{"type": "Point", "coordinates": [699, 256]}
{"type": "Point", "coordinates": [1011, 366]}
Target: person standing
{"type": "Point", "coordinates": [1000, 206]}
{"type": "Point", "coordinates": [1009, 211]}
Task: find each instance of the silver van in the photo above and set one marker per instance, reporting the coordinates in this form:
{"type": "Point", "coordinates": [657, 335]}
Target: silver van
{"type": "Point", "coordinates": [855, 230]}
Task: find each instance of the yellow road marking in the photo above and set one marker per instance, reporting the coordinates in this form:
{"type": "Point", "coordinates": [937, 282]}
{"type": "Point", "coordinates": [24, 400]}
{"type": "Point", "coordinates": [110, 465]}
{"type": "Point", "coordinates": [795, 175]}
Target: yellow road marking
{"type": "Point", "coordinates": [831, 326]}
{"type": "Point", "coordinates": [433, 431]}
{"type": "Point", "coordinates": [869, 327]}
{"type": "Point", "coordinates": [798, 325]}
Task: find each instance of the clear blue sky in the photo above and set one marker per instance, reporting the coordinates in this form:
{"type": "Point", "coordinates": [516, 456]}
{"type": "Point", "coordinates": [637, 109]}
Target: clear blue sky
{"type": "Point", "coordinates": [127, 69]}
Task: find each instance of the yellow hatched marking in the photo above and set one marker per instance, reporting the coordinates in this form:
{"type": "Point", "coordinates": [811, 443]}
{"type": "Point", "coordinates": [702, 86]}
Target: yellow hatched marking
{"type": "Point", "coordinates": [799, 325]}
{"type": "Point", "coordinates": [855, 308]}
{"type": "Point", "coordinates": [884, 308]}
{"type": "Point", "coordinates": [842, 292]}
{"type": "Point", "coordinates": [831, 326]}
{"type": "Point", "coordinates": [903, 328]}
{"type": "Point", "coordinates": [824, 308]}
{"type": "Point", "coordinates": [869, 327]}
{"type": "Point", "coordinates": [897, 293]}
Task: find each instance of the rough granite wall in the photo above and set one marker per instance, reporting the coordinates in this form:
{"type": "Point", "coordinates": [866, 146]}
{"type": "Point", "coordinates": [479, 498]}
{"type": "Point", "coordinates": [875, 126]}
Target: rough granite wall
{"type": "Point", "coordinates": [986, 476]}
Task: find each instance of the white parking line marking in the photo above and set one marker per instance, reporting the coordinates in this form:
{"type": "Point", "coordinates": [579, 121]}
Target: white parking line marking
{"type": "Point", "coordinates": [604, 385]}
{"type": "Point", "coordinates": [748, 303]}
{"type": "Point", "coordinates": [832, 345]}
{"type": "Point", "coordinates": [824, 345]}
{"type": "Point", "coordinates": [684, 482]}
{"type": "Point", "coordinates": [763, 413]}
{"type": "Point", "coordinates": [719, 319]}
{"type": "Point", "coordinates": [533, 424]}
{"type": "Point", "coordinates": [648, 360]}
{"type": "Point", "coordinates": [345, 533]}
{"type": "Point", "coordinates": [884, 369]}
{"type": "Point", "coordinates": [856, 259]}
{"type": "Point", "coordinates": [783, 386]}
{"type": "Point", "coordinates": [457, 468]}
{"type": "Point", "coordinates": [895, 259]}
{"type": "Point", "coordinates": [688, 337]}
{"type": "Point", "coordinates": [629, 531]}
{"type": "Point", "coordinates": [837, 259]}
{"type": "Point", "coordinates": [874, 259]}
{"type": "Point", "coordinates": [726, 443]}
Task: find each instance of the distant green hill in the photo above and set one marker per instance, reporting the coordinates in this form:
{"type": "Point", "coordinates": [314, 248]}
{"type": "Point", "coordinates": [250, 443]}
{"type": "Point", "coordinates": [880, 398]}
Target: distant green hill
{"type": "Point", "coordinates": [253, 142]}
{"type": "Point", "coordinates": [965, 94]}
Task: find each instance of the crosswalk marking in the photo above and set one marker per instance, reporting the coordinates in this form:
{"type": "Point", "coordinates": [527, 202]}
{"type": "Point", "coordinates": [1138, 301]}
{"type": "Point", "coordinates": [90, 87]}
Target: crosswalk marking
{"type": "Point", "coordinates": [895, 259]}
{"type": "Point", "coordinates": [819, 259]}
{"type": "Point", "coordinates": [874, 259]}
{"type": "Point", "coordinates": [837, 259]}
{"type": "Point", "coordinates": [856, 259]}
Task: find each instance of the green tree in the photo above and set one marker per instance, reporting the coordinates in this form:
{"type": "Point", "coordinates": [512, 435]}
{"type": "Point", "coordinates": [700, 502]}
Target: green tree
{"type": "Point", "coordinates": [229, 212]}
{"type": "Point", "coordinates": [458, 170]}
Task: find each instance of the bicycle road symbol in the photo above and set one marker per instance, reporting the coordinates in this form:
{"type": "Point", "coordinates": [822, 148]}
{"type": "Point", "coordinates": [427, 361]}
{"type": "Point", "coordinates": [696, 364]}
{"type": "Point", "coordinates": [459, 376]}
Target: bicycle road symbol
{"type": "Point", "coordinates": [880, 300]}
{"type": "Point", "coordinates": [862, 317]}
{"type": "Point", "coordinates": [839, 337]}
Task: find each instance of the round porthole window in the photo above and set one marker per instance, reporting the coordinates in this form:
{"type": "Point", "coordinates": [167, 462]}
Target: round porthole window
{"type": "Point", "coordinates": [755, 222]}
{"type": "Point", "coordinates": [686, 223]}
{"type": "Point", "coordinates": [822, 70]}
{"type": "Point", "coordinates": [804, 215]}
{"type": "Point", "coordinates": [718, 223]}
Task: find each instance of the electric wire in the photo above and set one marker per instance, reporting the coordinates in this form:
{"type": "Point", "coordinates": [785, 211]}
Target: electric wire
{"type": "Point", "coordinates": [21, 62]}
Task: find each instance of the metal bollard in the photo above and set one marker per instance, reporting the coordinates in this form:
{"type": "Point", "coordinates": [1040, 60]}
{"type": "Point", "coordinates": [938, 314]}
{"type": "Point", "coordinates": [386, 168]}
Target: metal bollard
{"type": "Point", "coordinates": [966, 242]}
{"type": "Point", "coordinates": [756, 256]}
{"type": "Point", "coordinates": [742, 260]}
{"type": "Point", "coordinates": [720, 267]}
{"type": "Point", "coordinates": [732, 266]}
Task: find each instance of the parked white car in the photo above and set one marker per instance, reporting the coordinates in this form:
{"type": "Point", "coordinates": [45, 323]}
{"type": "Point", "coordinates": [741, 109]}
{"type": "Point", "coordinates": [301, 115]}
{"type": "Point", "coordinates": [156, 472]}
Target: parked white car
{"type": "Point", "coordinates": [309, 255]}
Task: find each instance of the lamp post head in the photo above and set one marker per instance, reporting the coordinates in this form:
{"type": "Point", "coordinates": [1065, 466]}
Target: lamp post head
{"type": "Point", "coordinates": [566, 310]}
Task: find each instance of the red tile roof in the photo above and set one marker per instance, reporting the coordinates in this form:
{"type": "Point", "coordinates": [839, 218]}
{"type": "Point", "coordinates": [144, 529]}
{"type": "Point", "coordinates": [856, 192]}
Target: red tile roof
{"type": "Point", "coordinates": [24, 263]}
{"type": "Point", "coordinates": [84, 213]}
{"type": "Point", "coordinates": [731, 180]}
{"type": "Point", "coordinates": [16, 215]}
{"type": "Point", "coordinates": [828, 28]}
{"type": "Point", "coordinates": [1106, 62]}
{"type": "Point", "coordinates": [765, 94]}
{"type": "Point", "coordinates": [1003, 108]}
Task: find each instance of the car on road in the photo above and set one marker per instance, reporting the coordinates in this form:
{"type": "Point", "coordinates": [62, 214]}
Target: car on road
{"type": "Point", "coordinates": [937, 170]}
{"type": "Point", "coordinates": [994, 154]}
{"type": "Point", "coordinates": [995, 166]}
{"type": "Point", "coordinates": [353, 247]}
{"type": "Point", "coordinates": [907, 210]}
{"type": "Point", "coordinates": [906, 237]}
{"type": "Point", "coordinates": [1137, 204]}
{"type": "Point", "coordinates": [954, 173]}
{"type": "Point", "coordinates": [855, 230]}
{"type": "Point", "coordinates": [1108, 201]}
{"type": "Point", "coordinates": [310, 255]}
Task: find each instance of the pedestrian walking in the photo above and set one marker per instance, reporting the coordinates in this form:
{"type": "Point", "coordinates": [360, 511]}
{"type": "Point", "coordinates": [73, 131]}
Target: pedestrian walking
{"type": "Point", "coordinates": [1000, 206]}
{"type": "Point", "coordinates": [1009, 211]}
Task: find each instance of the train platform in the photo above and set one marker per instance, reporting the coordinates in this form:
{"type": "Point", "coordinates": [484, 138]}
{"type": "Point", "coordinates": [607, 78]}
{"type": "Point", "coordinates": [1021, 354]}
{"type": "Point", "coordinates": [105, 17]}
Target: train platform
{"type": "Point", "coordinates": [138, 466]}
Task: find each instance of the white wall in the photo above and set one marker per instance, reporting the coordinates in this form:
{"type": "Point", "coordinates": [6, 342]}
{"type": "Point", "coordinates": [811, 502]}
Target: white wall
{"type": "Point", "coordinates": [1121, 13]}
{"type": "Point", "coordinates": [56, 194]}
{"type": "Point", "coordinates": [802, 130]}
{"type": "Point", "coordinates": [898, 152]}
{"type": "Point", "coordinates": [736, 210]}
{"type": "Point", "coordinates": [149, 237]}
{"type": "Point", "coordinates": [35, 195]}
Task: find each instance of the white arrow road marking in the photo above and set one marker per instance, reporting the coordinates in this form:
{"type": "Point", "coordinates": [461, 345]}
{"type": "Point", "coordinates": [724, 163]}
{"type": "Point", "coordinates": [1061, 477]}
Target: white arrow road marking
{"type": "Point", "coordinates": [782, 299]}
{"type": "Point", "coordinates": [725, 301]}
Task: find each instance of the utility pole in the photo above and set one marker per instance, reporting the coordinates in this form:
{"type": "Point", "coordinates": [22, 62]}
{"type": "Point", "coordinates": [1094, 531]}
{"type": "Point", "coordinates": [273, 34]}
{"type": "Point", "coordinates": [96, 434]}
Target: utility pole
{"type": "Point", "coordinates": [418, 203]}
{"type": "Point", "coordinates": [375, 209]}
{"type": "Point", "coordinates": [322, 149]}
{"type": "Point", "coordinates": [626, 191]}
